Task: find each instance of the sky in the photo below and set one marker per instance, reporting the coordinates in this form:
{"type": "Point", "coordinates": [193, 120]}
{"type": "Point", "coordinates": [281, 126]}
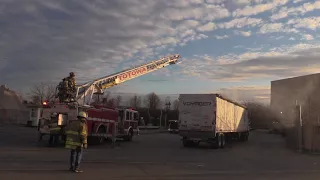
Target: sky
{"type": "Point", "coordinates": [233, 47]}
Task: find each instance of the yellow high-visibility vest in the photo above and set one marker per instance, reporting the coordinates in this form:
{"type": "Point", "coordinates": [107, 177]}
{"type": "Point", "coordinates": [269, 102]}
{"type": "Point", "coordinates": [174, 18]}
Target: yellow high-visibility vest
{"type": "Point", "coordinates": [76, 135]}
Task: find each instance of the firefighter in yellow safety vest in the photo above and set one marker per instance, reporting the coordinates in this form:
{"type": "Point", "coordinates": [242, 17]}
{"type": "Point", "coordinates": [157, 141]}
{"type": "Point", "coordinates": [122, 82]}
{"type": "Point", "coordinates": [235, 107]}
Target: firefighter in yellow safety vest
{"type": "Point", "coordinates": [76, 140]}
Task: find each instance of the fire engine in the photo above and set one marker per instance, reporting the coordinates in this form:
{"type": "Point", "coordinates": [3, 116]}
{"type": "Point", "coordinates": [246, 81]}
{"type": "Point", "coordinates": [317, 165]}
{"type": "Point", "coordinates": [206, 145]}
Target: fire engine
{"type": "Point", "coordinates": [102, 122]}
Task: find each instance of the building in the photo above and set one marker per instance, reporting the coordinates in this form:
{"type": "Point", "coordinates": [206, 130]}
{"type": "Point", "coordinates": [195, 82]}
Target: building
{"type": "Point", "coordinates": [303, 91]}
{"type": "Point", "coordinates": [34, 115]}
{"type": "Point", "coordinates": [12, 110]}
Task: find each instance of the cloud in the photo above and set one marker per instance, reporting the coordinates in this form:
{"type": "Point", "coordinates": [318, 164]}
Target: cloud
{"type": "Point", "coordinates": [276, 63]}
{"type": "Point", "coordinates": [296, 11]}
{"type": "Point", "coordinates": [260, 8]}
{"type": "Point", "coordinates": [221, 37]}
{"type": "Point", "coordinates": [307, 37]}
{"type": "Point", "coordinates": [43, 40]}
{"type": "Point", "coordinates": [240, 23]}
{"type": "Point", "coordinates": [276, 27]}
{"type": "Point", "coordinates": [243, 33]}
{"type": "Point", "coordinates": [247, 93]}
{"type": "Point", "coordinates": [207, 27]}
{"type": "Point", "coordinates": [311, 23]}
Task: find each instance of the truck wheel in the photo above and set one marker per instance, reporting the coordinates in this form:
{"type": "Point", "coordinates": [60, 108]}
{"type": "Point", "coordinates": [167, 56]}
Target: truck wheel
{"type": "Point", "coordinates": [129, 136]}
{"type": "Point", "coordinates": [101, 130]}
{"type": "Point", "coordinates": [244, 136]}
{"type": "Point", "coordinates": [186, 142]}
{"type": "Point", "coordinates": [222, 141]}
{"type": "Point", "coordinates": [219, 141]}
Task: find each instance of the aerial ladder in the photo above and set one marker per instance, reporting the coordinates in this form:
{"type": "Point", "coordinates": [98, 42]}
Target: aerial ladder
{"type": "Point", "coordinates": [86, 91]}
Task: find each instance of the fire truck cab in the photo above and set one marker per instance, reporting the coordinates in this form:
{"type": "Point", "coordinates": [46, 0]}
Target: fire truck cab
{"type": "Point", "coordinates": [127, 124]}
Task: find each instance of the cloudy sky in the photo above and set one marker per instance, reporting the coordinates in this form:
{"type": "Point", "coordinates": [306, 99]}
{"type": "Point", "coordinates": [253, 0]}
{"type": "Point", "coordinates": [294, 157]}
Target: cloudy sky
{"type": "Point", "coordinates": [230, 46]}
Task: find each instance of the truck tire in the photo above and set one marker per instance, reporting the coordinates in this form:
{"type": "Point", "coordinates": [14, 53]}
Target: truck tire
{"type": "Point", "coordinates": [100, 140]}
{"type": "Point", "coordinates": [186, 142]}
{"type": "Point", "coordinates": [244, 136]}
{"type": "Point", "coordinates": [129, 137]}
{"type": "Point", "coordinates": [222, 141]}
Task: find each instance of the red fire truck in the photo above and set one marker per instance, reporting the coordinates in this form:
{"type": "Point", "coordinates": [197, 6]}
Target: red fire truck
{"type": "Point", "coordinates": [103, 122]}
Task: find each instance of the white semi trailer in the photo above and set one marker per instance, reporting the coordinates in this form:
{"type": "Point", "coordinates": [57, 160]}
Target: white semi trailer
{"type": "Point", "coordinates": [212, 119]}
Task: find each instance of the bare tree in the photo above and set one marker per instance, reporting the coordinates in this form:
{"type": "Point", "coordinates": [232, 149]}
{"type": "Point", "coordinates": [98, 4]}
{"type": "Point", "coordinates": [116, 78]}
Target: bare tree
{"type": "Point", "coordinates": [152, 101]}
{"type": "Point", "coordinates": [111, 103]}
{"type": "Point", "coordinates": [105, 98]}
{"type": "Point", "coordinates": [118, 100]}
{"type": "Point", "coordinates": [135, 101]}
{"type": "Point", "coordinates": [42, 92]}
{"type": "Point", "coordinates": [167, 101]}
{"type": "Point", "coordinates": [175, 104]}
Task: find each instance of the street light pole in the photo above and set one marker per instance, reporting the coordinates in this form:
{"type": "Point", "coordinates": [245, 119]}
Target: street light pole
{"type": "Point", "coordinates": [167, 110]}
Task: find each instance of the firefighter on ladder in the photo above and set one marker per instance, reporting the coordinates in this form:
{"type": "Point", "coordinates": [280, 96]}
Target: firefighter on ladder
{"type": "Point", "coordinates": [72, 86]}
{"type": "Point", "coordinates": [55, 131]}
{"type": "Point", "coordinates": [67, 88]}
{"type": "Point", "coordinates": [63, 90]}
{"type": "Point", "coordinates": [76, 140]}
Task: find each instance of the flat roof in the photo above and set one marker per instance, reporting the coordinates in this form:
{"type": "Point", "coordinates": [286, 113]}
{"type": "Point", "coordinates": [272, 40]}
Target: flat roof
{"type": "Point", "coordinates": [296, 77]}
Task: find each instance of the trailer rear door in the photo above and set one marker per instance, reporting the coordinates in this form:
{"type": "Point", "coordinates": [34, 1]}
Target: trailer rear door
{"type": "Point", "coordinates": [197, 112]}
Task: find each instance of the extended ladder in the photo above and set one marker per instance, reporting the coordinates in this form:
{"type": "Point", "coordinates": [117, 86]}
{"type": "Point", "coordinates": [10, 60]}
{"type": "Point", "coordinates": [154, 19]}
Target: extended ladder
{"type": "Point", "coordinates": [86, 91]}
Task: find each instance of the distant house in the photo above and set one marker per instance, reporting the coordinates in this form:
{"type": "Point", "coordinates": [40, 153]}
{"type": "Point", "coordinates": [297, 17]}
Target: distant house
{"type": "Point", "coordinates": [12, 110]}
{"type": "Point", "coordinates": [35, 112]}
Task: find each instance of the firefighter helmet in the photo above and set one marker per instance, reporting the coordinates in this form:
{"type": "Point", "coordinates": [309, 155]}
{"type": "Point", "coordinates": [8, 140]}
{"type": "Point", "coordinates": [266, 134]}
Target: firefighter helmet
{"type": "Point", "coordinates": [82, 115]}
{"type": "Point", "coordinates": [71, 74]}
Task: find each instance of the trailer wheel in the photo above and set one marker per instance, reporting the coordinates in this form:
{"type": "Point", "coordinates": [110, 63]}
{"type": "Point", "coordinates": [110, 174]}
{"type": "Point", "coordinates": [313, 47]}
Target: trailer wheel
{"type": "Point", "coordinates": [246, 136]}
{"type": "Point", "coordinates": [222, 141]}
{"type": "Point", "coordinates": [219, 141]}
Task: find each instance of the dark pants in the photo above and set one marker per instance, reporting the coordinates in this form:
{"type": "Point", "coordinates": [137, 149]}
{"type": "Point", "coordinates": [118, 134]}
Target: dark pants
{"type": "Point", "coordinates": [54, 139]}
{"type": "Point", "coordinates": [75, 157]}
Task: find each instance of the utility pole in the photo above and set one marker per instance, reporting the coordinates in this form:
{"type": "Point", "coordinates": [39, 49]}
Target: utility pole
{"type": "Point", "coordinates": [168, 104]}
{"type": "Point", "coordinates": [299, 127]}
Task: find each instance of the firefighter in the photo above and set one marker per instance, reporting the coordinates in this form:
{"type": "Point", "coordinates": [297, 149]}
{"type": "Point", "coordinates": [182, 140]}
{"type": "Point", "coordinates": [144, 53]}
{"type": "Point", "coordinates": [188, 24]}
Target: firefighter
{"type": "Point", "coordinates": [76, 140]}
{"type": "Point", "coordinates": [72, 85]}
{"type": "Point", "coordinates": [54, 130]}
{"type": "Point", "coordinates": [63, 88]}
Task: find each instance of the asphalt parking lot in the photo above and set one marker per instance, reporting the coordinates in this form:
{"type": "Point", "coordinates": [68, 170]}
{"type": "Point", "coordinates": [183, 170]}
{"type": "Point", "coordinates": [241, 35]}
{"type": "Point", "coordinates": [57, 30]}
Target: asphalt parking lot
{"type": "Point", "coordinates": [155, 156]}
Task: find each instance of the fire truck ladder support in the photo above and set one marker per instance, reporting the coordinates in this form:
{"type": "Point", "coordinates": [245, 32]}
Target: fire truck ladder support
{"type": "Point", "coordinates": [86, 91]}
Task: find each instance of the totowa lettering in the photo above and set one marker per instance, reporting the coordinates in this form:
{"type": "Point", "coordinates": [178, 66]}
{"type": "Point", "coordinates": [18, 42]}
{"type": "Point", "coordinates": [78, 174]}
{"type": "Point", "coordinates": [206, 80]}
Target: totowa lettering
{"type": "Point", "coordinates": [197, 103]}
{"type": "Point", "coordinates": [133, 73]}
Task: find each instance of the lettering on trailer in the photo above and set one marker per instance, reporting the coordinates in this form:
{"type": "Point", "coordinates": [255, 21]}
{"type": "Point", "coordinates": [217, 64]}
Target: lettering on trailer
{"type": "Point", "coordinates": [108, 82]}
{"type": "Point", "coordinates": [132, 74]}
{"type": "Point", "coordinates": [197, 103]}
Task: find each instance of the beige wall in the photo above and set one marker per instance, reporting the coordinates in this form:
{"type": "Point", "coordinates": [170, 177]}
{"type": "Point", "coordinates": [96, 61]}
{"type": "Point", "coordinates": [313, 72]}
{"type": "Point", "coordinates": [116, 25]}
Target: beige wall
{"type": "Point", "coordinates": [305, 90]}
